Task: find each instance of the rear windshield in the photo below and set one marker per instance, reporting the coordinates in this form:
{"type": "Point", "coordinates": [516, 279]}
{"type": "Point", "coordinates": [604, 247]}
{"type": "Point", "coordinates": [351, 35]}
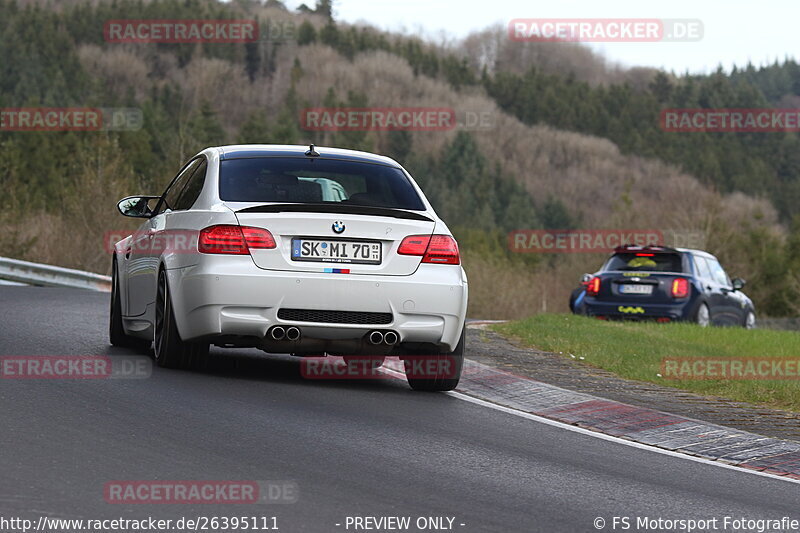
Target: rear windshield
{"type": "Point", "coordinates": [305, 180]}
{"type": "Point", "coordinates": [658, 262]}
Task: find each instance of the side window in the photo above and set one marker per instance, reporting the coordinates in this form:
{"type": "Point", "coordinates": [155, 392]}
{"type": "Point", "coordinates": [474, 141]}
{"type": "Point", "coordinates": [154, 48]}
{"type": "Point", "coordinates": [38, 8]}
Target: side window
{"type": "Point", "coordinates": [170, 197]}
{"type": "Point", "coordinates": [718, 273]}
{"type": "Point", "coordinates": [192, 190]}
{"type": "Point", "coordinates": [702, 267]}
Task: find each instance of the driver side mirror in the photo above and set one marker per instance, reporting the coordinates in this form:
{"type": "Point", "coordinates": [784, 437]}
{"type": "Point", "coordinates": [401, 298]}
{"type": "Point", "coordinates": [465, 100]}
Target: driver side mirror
{"type": "Point", "coordinates": [136, 206]}
{"type": "Point", "coordinates": [738, 284]}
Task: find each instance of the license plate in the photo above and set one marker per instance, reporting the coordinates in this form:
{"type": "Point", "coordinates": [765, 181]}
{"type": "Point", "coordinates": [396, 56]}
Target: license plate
{"type": "Point", "coordinates": [636, 289]}
{"type": "Point", "coordinates": [334, 251]}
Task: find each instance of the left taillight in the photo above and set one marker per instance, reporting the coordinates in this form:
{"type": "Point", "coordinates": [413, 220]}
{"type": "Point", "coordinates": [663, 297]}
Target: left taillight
{"type": "Point", "coordinates": [233, 240]}
{"type": "Point", "coordinates": [593, 287]}
{"type": "Point", "coordinates": [680, 288]}
{"type": "Point", "coordinates": [436, 249]}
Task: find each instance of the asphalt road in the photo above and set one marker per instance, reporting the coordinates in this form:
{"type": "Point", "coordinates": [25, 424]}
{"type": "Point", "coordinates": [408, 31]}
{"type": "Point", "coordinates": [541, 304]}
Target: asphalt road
{"type": "Point", "coordinates": [353, 448]}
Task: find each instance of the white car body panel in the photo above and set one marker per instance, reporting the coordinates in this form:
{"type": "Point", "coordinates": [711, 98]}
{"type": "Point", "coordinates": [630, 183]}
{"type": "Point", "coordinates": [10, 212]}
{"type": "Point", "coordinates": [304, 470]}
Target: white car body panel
{"type": "Point", "coordinates": [234, 299]}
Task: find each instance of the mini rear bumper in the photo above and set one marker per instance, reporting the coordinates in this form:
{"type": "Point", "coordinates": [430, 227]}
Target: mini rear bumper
{"type": "Point", "coordinates": [231, 296]}
{"type": "Point", "coordinates": [639, 310]}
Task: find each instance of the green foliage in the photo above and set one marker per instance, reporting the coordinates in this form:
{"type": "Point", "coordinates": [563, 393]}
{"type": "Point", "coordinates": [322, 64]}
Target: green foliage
{"type": "Point", "coordinates": [753, 163]}
{"type": "Point", "coordinates": [306, 34]}
{"type": "Point", "coordinates": [205, 129]}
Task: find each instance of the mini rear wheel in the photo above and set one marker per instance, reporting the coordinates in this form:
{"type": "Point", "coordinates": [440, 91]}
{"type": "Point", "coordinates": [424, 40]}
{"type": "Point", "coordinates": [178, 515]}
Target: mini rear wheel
{"type": "Point", "coordinates": [702, 316]}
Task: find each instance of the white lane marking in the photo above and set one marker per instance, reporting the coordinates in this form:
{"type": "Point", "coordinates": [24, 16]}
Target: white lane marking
{"type": "Point", "coordinates": [603, 436]}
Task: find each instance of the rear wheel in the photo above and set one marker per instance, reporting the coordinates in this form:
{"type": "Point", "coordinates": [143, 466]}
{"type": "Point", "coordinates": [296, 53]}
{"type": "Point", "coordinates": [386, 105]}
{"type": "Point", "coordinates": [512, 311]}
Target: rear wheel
{"type": "Point", "coordinates": [169, 349]}
{"type": "Point", "coordinates": [703, 316]}
{"type": "Point", "coordinates": [438, 371]}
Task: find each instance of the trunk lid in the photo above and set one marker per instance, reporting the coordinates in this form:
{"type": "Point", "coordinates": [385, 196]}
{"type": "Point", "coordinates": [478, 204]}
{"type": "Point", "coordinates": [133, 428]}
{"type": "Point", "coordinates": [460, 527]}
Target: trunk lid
{"type": "Point", "coordinates": [637, 287]}
{"type": "Point", "coordinates": [365, 232]}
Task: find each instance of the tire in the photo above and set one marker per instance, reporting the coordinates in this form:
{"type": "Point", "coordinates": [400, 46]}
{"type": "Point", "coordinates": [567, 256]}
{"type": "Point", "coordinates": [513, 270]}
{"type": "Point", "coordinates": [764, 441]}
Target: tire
{"type": "Point", "coordinates": [449, 366]}
{"type": "Point", "coordinates": [116, 332]}
{"type": "Point", "coordinates": [749, 320]}
{"type": "Point", "coordinates": [702, 317]}
{"type": "Point", "coordinates": [169, 349]}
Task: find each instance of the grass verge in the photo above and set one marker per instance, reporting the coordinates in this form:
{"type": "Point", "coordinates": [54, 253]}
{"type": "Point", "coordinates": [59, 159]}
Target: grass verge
{"type": "Point", "coordinates": [637, 350]}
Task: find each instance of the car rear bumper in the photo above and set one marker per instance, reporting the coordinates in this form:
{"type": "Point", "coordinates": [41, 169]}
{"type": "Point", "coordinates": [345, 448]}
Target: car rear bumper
{"type": "Point", "coordinates": [230, 296]}
{"type": "Point", "coordinates": [638, 310]}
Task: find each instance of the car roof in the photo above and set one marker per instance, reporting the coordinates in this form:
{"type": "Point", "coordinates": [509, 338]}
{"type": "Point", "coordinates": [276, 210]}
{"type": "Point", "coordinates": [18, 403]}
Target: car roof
{"type": "Point", "coordinates": [620, 249]}
{"type": "Point", "coordinates": [695, 252]}
{"type": "Point", "coordinates": [243, 151]}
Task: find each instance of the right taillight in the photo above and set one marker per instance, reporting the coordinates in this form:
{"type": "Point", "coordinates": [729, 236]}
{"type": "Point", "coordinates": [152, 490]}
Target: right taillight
{"type": "Point", "coordinates": [233, 240]}
{"type": "Point", "coordinates": [680, 288]}
{"type": "Point", "coordinates": [437, 249]}
{"type": "Point", "coordinates": [593, 288]}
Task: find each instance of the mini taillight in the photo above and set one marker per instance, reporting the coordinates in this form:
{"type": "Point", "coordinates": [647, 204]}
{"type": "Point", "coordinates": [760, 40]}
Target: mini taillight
{"type": "Point", "coordinates": [438, 249]}
{"type": "Point", "coordinates": [233, 240]}
{"type": "Point", "coordinates": [680, 288]}
{"type": "Point", "coordinates": [593, 288]}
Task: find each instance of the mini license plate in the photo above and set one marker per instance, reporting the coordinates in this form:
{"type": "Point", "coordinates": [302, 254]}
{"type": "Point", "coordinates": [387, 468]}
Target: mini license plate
{"type": "Point", "coordinates": [635, 289]}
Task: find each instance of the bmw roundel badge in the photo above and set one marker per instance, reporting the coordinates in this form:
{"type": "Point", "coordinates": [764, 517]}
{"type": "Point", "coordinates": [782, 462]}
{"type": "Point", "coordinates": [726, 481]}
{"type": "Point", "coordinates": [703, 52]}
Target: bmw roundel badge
{"type": "Point", "coordinates": [338, 226]}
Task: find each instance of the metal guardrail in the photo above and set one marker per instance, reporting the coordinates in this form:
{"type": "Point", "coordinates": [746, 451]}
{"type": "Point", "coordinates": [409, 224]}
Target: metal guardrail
{"type": "Point", "coordinates": [52, 276]}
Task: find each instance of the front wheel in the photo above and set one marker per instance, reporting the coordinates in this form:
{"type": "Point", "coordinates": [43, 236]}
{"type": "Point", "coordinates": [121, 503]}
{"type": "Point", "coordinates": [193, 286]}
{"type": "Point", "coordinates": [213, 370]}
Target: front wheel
{"type": "Point", "coordinates": [116, 332]}
{"type": "Point", "coordinates": [750, 320]}
{"type": "Point", "coordinates": [170, 350]}
{"type": "Point", "coordinates": [438, 371]}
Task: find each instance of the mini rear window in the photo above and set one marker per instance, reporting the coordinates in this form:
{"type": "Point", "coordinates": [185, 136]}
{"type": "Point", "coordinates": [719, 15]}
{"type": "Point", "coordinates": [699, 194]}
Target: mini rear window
{"type": "Point", "coordinates": [645, 262]}
{"type": "Point", "coordinates": [316, 181]}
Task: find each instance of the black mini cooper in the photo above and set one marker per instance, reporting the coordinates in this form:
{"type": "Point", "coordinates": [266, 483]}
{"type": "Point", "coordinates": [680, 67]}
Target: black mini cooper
{"type": "Point", "coordinates": [664, 284]}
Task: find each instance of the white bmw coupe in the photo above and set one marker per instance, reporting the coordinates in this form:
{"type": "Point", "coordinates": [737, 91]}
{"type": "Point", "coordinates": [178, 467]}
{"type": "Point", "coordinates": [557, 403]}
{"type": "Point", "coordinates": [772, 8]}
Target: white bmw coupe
{"type": "Point", "coordinates": [300, 250]}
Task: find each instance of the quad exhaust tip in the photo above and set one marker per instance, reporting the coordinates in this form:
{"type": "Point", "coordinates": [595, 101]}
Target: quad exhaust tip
{"type": "Point", "coordinates": [277, 333]}
{"type": "Point", "coordinates": [379, 337]}
{"type": "Point", "coordinates": [292, 333]}
{"type": "Point", "coordinates": [390, 338]}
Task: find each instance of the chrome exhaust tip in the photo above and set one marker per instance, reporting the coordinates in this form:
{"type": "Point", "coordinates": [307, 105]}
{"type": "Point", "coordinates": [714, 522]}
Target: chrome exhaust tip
{"type": "Point", "coordinates": [390, 338]}
{"type": "Point", "coordinates": [292, 333]}
{"type": "Point", "coordinates": [277, 333]}
{"type": "Point", "coordinates": [376, 337]}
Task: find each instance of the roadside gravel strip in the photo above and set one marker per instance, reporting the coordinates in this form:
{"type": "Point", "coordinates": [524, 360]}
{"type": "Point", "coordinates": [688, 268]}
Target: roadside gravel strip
{"type": "Point", "coordinates": [639, 424]}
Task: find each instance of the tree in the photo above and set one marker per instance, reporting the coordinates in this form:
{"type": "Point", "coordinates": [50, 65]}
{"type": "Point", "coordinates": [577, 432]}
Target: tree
{"type": "Point", "coordinates": [205, 129]}
{"type": "Point", "coordinates": [306, 34]}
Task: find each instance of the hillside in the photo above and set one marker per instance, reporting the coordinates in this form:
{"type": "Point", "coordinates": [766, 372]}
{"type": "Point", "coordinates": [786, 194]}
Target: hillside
{"type": "Point", "coordinates": [572, 141]}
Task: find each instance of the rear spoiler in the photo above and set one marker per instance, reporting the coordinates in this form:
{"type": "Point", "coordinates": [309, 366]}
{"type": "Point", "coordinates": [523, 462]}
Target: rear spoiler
{"type": "Point", "coordinates": [647, 249]}
{"type": "Point", "coordinates": [335, 208]}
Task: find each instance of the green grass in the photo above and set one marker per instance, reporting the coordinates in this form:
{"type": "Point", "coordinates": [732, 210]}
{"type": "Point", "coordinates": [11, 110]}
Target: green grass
{"type": "Point", "coordinates": [635, 350]}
